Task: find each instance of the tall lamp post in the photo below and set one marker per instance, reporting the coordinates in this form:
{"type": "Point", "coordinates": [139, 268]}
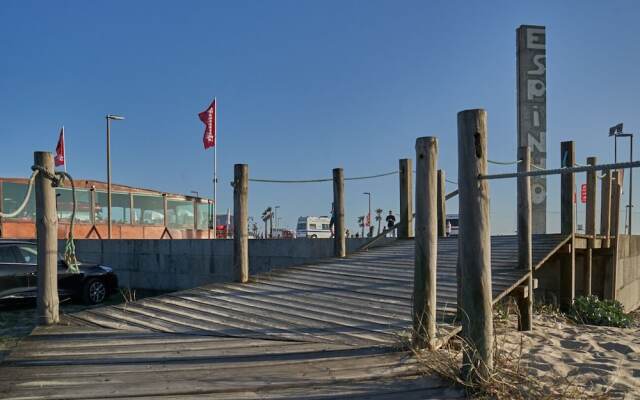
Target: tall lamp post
{"type": "Point", "coordinates": [617, 131]}
{"type": "Point", "coordinates": [109, 118]}
{"type": "Point", "coordinates": [368, 220]}
{"type": "Point", "coordinates": [275, 216]}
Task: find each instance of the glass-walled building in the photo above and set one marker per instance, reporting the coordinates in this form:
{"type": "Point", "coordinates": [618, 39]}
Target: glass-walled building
{"type": "Point", "coordinates": [135, 213]}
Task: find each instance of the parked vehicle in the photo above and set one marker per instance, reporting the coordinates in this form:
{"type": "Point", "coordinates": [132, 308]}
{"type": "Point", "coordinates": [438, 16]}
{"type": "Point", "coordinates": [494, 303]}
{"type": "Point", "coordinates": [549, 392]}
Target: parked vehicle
{"type": "Point", "coordinates": [18, 280]}
{"type": "Point", "coordinates": [313, 227]}
{"type": "Point", "coordinates": [452, 224]}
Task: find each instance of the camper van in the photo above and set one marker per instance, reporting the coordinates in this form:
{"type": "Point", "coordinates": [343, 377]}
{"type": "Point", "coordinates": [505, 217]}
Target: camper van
{"type": "Point", "coordinates": [452, 224]}
{"type": "Point", "coordinates": [313, 227]}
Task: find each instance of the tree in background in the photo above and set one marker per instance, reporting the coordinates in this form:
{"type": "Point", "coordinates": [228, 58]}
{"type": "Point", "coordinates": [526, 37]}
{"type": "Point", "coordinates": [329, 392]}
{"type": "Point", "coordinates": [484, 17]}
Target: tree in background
{"type": "Point", "coordinates": [361, 224]}
{"type": "Point", "coordinates": [379, 218]}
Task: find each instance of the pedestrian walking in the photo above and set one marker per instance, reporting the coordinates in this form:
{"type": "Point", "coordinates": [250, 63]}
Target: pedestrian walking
{"type": "Point", "coordinates": [391, 221]}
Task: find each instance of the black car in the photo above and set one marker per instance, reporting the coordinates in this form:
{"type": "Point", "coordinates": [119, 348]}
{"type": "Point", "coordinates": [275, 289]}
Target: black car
{"type": "Point", "coordinates": [18, 280]}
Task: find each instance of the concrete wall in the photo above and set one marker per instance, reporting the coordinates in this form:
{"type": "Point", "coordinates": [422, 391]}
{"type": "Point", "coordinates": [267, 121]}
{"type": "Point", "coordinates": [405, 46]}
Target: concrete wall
{"type": "Point", "coordinates": [627, 272]}
{"type": "Point", "coordinates": [613, 277]}
{"type": "Point", "coordinates": [549, 276]}
{"type": "Point", "coordinates": [187, 263]}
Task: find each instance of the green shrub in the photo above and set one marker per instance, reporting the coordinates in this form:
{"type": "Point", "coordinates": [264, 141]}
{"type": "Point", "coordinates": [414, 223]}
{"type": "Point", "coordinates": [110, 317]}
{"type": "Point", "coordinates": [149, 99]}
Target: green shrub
{"type": "Point", "coordinates": [593, 311]}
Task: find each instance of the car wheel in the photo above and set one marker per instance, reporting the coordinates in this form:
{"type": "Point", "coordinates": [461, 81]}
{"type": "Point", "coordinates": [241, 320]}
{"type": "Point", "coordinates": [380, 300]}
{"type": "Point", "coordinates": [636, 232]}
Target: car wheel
{"type": "Point", "coordinates": [314, 236]}
{"type": "Point", "coordinates": [94, 291]}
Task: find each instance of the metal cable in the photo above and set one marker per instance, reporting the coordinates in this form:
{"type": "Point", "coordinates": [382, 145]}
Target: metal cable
{"type": "Point", "coordinates": [321, 179]}
{"type": "Point", "coordinates": [26, 198]}
{"type": "Point", "coordinates": [450, 181]}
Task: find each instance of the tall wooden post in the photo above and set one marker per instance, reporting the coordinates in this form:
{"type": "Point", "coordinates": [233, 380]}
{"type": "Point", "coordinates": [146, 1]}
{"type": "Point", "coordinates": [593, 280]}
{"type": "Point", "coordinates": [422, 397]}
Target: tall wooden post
{"type": "Point", "coordinates": [616, 193]}
{"type": "Point", "coordinates": [567, 224]}
{"type": "Point", "coordinates": [47, 234]}
{"type": "Point", "coordinates": [405, 228]}
{"type": "Point", "coordinates": [474, 245]}
{"type": "Point", "coordinates": [609, 292]}
{"type": "Point", "coordinates": [442, 205]}
{"type": "Point", "coordinates": [240, 222]}
{"type": "Point", "coordinates": [339, 240]}
{"type": "Point", "coordinates": [605, 208]}
{"type": "Point", "coordinates": [426, 243]}
{"type": "Point", "coordinates": [525, 303]}
{"type": "Point", "coordinates": [590, 225]}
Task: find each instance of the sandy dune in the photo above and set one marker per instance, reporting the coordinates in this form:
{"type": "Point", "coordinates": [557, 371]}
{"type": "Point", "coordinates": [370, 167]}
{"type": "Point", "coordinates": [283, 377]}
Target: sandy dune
{"type": "Point", "coordinates": [592, 358]}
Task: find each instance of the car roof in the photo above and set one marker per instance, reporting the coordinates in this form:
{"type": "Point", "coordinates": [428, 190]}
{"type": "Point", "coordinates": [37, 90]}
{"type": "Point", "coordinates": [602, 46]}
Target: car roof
{"type": "Point", "coordinates": [14, 241]}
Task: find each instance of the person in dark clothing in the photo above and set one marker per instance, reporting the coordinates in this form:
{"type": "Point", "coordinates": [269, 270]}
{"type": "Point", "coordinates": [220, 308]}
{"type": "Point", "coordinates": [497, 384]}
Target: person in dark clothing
{"type": "Point", "coordinates": [391, 221]}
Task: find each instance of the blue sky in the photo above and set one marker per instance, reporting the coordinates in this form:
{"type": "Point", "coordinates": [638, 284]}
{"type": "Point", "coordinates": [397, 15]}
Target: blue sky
{"type": "Point", "coordinates": [303, 87]}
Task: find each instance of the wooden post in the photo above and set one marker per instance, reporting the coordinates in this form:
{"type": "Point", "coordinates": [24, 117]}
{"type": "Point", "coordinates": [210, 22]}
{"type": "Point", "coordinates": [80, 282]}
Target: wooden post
{"type": "Point", "coordinates": [426, 243]}
{"type": "Point", "coordinates": [567, 224]}
{"type": "Point", "coordinates": [590, 225]}
{"type": "Point", "coordinates": [240, 222]}
{"type": "Point", "coordinates": [609, 292]}
{"type": "Point", "coordinates": [47, 235]}
{"type": "Point", "coordinates": [525, 303]}
{"type": "Point", "coordinates": [605, 208]}
{"type": "Point", "coordinates": [405, 228]}
{"type": "Point", "coordinates": [442, 205]}
{"type": "Point", "coordinates": [474, 245]}
{"type": "Point", "coordinates": [616, 193]}
{"type": "Point", "coordinates": [339, 240]}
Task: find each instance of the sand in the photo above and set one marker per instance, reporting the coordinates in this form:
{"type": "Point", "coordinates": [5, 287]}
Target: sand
{"type": "Point", "coordinates": [592, 359]}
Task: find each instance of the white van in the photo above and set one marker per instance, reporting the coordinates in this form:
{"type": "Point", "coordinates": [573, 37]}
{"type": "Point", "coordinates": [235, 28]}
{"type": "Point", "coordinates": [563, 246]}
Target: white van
{"type": "Point", "coordinates": [452, 224]}
{"type": "Point", "coordinates": [313, 227]}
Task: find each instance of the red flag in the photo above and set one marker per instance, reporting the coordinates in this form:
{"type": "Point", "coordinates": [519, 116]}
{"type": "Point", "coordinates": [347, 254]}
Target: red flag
{"type": "Point", "coordinates": [59, 158]}
{"type": "Point", "coordinates": [208, 117]}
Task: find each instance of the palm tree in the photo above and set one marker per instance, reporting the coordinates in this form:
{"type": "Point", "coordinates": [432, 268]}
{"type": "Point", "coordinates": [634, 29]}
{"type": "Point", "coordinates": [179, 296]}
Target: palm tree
{"type": "Point", "coordinates": [361, 224]}
{"type": "Point", "coordinates": [379, 218]}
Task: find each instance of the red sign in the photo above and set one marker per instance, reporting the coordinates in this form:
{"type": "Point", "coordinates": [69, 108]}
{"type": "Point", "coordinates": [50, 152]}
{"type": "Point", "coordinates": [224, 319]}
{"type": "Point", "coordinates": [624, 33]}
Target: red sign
{"type": "Point", "coordinates": [583, 193]}
{"type": "Point", "coordinates": [59, 158]}
{"type": "Point", "coordinates": [208, 117]}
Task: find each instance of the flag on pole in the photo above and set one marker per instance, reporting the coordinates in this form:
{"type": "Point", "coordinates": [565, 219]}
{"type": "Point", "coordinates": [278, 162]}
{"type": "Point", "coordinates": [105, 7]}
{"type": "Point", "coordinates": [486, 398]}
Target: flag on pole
{"type": "Point", "coordinates": [59, 158]}
{"type": "Point", "coordinates": [208, 117]}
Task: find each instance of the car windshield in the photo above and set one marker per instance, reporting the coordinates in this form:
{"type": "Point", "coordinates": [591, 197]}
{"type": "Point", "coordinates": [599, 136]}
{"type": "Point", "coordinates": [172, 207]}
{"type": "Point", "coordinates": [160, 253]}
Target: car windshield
{"type": "Point", "coordinates": [30, 253]}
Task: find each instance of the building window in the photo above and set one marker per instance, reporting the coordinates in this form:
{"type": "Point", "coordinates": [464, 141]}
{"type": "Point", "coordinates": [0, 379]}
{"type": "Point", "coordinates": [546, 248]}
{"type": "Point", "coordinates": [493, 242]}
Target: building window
{"type": "Point", "coordinates": [180, 214]}
{"type": "Point", "coordinates": [204, 215]}
{"type": "Point", "coordinates": [120, 208]}
{"type": "Point", "coordinates": [148, 209]}
{"type": "Point", "coordinates": [13, 195]}
{"type": "Point", "coordinates": [64, 205]}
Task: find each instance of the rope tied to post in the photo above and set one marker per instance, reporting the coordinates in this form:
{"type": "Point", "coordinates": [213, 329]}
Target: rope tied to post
{"type": "Point", "coordinates": [24, 203]}
{"type": "Point", "coordinates": [355, 178]}
{"type": "Point", "coordinates": [70, 246]}
{"type": "Point", "coordinates": [56, 178]}
{"type": "Point", "coordinates": [504, 162]}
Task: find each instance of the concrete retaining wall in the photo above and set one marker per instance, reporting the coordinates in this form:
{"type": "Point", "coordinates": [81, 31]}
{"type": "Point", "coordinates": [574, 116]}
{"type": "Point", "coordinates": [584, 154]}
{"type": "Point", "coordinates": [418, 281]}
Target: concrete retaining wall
{"type": "Point", "coordinates": [627, 272]}
{"type": "Point", "coordinates": [613, 277]}
{"type": "Point", "coordinates": [187, 263]}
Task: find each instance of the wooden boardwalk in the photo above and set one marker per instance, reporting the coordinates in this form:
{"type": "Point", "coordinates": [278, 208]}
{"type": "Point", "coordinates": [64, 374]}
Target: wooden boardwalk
{"type": "Point", "coordinates": [327, 329]}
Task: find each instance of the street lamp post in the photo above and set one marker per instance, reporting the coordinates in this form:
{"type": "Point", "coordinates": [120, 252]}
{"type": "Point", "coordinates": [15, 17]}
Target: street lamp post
{"type": "Point", "coordinates": [617, 131]}
{"type": "Point", "coordinates": [275, 216]}
{"type": "Point", "coordinates": [109, 117]}
{"type": "Point", "coordinates": [368, 220]}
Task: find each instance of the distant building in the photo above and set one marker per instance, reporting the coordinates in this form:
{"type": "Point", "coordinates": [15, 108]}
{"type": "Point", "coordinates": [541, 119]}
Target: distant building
{"type": "Point", "coordinates": [136, 213]}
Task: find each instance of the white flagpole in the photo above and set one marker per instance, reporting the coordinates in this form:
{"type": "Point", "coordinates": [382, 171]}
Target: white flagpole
{"type": "Point", "coordinates": [64, 149]}
{"type": "Point", "coordinates": [215, 165]}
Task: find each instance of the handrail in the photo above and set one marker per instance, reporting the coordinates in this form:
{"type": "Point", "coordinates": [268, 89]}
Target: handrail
{"type": "Point", "coordinates": [376, 238]}
{"type": "Point", "coordinates": [451, 195]}
{"type": "Point", "coordinates": [394, 227]}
